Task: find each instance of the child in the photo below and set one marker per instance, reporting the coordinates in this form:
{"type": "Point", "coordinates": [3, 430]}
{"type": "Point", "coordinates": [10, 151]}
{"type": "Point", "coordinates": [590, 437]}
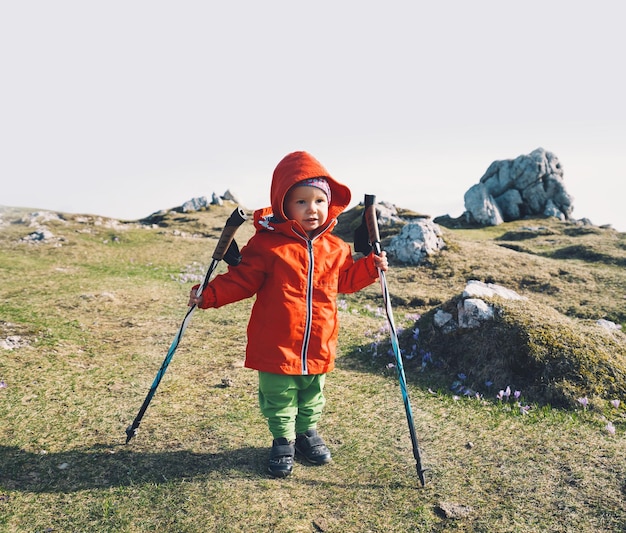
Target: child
{"type": "Point", "coordinates": [296, 268]}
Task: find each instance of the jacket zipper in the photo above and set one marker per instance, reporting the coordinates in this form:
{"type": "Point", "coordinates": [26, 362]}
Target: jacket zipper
{"type": "Point", "coordinates": [309, 301]}
{"type": "Point", "coordinates": [309, 309]}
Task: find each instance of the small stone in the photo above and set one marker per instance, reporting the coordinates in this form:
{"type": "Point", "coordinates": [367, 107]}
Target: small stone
{"type": "Point", "coordinates": [452, 510]}
{"type": "Point", "coordinates": [320, 524]}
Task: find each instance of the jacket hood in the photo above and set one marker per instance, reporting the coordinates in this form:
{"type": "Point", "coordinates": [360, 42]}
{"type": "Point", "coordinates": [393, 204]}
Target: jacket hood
{"type": "Point", "coordinates": [298, 166]}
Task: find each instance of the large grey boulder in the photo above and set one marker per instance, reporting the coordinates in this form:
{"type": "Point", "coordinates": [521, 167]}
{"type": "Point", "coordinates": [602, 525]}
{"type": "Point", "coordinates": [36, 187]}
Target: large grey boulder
{"type": "Point", "coordinates": [416, 241]}
{"type": "Point", "coordinates": [512, 189]}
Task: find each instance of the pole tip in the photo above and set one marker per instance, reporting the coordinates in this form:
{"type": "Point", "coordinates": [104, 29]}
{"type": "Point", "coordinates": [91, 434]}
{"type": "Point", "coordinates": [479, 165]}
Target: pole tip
{"type": "Point", "coordinates": [130, 432]}
{"type": "Point", "coordinates": [420, 475]}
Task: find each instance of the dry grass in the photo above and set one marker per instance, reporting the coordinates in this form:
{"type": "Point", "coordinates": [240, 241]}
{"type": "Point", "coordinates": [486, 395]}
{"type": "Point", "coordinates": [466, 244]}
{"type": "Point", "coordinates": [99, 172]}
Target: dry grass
{"type": "Point", "coordinates": [99, 312]}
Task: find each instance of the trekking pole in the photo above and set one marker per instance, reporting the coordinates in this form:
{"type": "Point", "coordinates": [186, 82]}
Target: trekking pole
{"type": "Point", "coordinates": [369, 230]}
{"type": "Point", "coordinates": [226, 249]}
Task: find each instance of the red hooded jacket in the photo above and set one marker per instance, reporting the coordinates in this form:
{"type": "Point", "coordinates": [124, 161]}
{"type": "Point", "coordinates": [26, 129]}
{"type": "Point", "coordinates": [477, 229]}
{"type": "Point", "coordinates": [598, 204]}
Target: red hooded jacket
{"type": "Point", "coordinates": [293, 326]}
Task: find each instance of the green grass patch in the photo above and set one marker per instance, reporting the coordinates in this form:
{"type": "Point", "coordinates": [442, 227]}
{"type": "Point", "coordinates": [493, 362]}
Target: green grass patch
{"type": "Point", "coordinates": [96, 313]}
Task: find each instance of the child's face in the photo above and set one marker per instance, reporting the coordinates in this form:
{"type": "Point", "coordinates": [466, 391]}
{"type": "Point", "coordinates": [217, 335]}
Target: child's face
{"type": "Point", "coordinates": [308, 206]}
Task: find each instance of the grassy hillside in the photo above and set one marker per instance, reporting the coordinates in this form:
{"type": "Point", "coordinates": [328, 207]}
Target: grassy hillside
{"type": "Point", "coordinates": [90, 313]}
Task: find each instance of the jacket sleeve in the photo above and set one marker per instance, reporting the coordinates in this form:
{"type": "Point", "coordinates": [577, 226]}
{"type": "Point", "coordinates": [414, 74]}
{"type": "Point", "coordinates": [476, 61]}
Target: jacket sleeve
{"type": "Point", "coordinates": [356, 275]}
{"type": "Point", "coordinates": [239, 282]}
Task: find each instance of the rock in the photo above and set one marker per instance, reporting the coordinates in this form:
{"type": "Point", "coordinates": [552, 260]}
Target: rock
{"type": "Point", "coordinates": [444, 321]}
{"type": "Point", "coordinates": [512, 189]}
{"type": "Point", "coordinates": [452, 510]}
{"type": "Point", "coordinates": [195, 204]}
{"type": "Point", "coordinates": [478, 289]}
{"type": "Point", "coordinates": [472, 312]}
{"type": "Point", "coordinates": [416, 241]}
{"type": "Point", "coordinates": [201, 202]}
{"type": "Point", "coordinates": [13, 341]}
{"type": "Point", "coordinates": [510, 202]}
{"type": "Point", "coordinates": [40, 235]}
{"type": "Point", "coordinates": [481, 208]}
{"type": "Point", "coordinates": [41, 217]}
{"type": "Point", "coordinates": [228, 195]}
{"type": "Point", "coordinates": [441, 318]}
{"type": "Point", "coordinates": [607, 324]}
{"type": "Point", "coordinates": [387, 214]}
{"type": "Point", "coordinates": [552, 210]}
{"type": "Point", "coordinates": [321, 524]}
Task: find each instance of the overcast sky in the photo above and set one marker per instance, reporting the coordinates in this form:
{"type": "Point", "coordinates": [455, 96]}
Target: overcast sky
{"type": "Point", "coordinates": [123, 108]}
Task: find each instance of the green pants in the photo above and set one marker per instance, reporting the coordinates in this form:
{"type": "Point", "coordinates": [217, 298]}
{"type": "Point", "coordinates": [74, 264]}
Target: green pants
{"type": "Point", "coordinates": [291, 404]}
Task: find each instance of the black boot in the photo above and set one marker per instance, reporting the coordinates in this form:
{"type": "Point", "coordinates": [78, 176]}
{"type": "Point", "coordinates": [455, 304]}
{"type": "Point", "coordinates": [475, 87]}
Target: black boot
{"type": "Point", "coordinates": [312, 447]}
{"type": "Point", "coordinates": [281, 457]}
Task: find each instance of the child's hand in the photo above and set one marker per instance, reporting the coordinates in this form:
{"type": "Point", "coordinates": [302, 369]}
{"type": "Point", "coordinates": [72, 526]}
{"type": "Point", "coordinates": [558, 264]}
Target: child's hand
{"type": "Point", "coordinates": [381, 261]}
{"type": "Point", "coordinates": [193, 299]}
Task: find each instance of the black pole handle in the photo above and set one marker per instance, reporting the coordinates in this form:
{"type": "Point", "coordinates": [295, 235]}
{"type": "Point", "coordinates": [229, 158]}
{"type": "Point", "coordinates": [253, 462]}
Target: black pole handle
{"type": "Point", "coordinates": [372, 222]}
{"type": "Point", "coordinates": [236, 219]}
